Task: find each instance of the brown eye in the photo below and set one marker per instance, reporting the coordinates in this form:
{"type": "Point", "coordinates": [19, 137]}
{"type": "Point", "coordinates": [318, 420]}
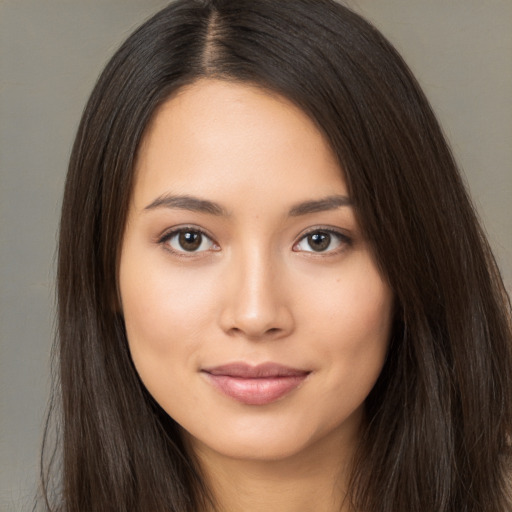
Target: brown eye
{"type": "Point", "coordinates": [322, 241]}
{"type": "Point", "coordinates": [188, 240]}
{"type": "Point", "coordinates": [319, 241]}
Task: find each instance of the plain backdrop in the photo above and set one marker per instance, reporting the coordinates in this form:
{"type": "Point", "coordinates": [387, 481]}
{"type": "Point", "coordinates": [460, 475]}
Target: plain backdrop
{"type": "Point", "coordinates": [51, 52]}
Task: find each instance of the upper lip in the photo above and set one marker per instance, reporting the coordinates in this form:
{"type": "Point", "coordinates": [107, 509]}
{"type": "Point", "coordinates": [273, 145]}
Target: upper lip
{"type": "Point", "coordinates": [246, 371]}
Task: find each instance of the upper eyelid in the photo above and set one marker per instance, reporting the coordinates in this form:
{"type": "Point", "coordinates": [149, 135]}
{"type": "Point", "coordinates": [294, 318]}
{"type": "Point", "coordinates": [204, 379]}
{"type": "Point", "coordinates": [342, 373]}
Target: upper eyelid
{"type": "Point", "coordinates": [326, 229]}
{"type": "Point", "coordinates": [170, 232]}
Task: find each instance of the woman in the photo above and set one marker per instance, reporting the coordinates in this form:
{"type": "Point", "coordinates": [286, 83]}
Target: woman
{"type": "Point", "coordinates": [273, 291]}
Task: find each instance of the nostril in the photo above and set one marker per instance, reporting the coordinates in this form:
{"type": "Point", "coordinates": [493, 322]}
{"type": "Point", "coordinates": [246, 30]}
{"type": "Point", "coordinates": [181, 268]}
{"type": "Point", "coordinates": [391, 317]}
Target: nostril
{"type": "Point", "coordinates": [263, 334]}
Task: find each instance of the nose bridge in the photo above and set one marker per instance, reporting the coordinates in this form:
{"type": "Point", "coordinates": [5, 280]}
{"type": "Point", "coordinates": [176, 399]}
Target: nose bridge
{"type": "Point", "coordinates": [256, 304]}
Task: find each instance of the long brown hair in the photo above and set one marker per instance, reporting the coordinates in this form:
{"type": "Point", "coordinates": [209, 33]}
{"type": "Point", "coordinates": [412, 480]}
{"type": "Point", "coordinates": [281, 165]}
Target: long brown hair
{"type": "Point", "coordinates": [440, 415]}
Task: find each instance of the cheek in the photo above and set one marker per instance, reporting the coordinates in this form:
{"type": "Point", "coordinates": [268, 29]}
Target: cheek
{"type": "Point", "coordinates": [357, 303]}
{"type": "Point", "coordinates": [350, 317]}
{"type": "Point", "coordinates": [166, 315]}
{"type": "Point", "coordinates": [166, 309]}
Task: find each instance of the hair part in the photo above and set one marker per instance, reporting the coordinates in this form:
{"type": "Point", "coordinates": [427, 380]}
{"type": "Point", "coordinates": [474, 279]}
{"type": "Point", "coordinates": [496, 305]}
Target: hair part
{"type": "Point", "coordinates": [440, 415]}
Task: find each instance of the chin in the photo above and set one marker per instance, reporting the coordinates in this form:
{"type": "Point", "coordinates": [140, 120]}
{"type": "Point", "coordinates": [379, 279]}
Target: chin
{"type": "Point", "coordinates": [267, 441]}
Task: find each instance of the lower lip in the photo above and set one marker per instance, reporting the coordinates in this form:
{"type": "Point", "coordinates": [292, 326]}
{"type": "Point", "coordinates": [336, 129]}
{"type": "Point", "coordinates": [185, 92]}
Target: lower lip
{"type": "Point", "coordinates": [256, 391]}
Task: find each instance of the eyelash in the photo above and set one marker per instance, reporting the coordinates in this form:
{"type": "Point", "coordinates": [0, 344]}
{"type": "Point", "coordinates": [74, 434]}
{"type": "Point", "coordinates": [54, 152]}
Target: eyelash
{"type": "Point", "coordinates": [343, 240]}
{"type": "Point", "coordinates": [169, 235]}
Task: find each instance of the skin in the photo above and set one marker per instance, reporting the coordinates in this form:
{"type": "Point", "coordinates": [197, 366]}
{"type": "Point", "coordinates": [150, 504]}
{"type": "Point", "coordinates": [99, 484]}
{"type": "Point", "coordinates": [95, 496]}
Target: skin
{"type": "Point", "coordinates": [255, 291]}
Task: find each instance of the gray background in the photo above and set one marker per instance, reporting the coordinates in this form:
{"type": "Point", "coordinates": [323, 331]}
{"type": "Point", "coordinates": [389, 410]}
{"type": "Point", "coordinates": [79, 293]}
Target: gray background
{"type": "Point", "coordinates": [51, 52]}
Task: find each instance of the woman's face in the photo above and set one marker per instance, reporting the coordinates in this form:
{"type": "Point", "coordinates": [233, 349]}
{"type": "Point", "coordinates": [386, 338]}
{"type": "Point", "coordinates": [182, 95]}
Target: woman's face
{"type": "Point", "coordinates": [255, 314]}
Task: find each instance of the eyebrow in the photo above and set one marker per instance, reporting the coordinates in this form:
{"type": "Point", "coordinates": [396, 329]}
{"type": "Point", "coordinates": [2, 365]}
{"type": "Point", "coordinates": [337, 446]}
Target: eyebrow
{"type": "Point", "coordinates": [186, 202]}
{"type": "Point", "coordinates": [195, 204]}
{"type": "Point", "coordinates": [320, 205]}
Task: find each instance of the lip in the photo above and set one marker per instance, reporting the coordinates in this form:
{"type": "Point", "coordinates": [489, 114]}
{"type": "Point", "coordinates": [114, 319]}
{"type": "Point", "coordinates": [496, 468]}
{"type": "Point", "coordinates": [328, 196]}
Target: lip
{"type": "Point", "coordinates": [255, 385]}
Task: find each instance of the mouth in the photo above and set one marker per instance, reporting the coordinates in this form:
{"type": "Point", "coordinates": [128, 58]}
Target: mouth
{"type": "Point", "coordinates": [255, 385]}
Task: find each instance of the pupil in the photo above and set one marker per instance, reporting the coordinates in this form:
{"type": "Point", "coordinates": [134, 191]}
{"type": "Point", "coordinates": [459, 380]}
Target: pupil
{"type": "Point", "coordinates": [319, 241]}
{"type": "Point", "coordinates": [190, 240]}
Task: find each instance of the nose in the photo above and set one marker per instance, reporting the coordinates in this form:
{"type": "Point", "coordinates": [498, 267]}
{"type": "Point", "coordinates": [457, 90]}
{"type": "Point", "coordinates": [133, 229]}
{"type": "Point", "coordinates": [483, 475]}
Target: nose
{"type": "Point", "coordinates": [255, 300]}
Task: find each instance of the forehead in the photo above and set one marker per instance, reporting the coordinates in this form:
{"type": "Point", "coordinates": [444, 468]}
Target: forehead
{"type": "Point", "coordinates": [218, 137]}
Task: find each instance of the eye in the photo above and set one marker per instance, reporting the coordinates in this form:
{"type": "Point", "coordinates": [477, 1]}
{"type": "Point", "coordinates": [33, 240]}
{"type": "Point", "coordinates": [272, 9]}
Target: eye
{"type": "Point", "coordinates": [321, 240]}
{"type": "Point", "coordinates": [188, 240]}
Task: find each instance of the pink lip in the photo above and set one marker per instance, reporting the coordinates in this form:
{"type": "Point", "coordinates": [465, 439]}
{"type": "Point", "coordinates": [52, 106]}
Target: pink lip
{"type": "Point", "coordinates": [255, 385]}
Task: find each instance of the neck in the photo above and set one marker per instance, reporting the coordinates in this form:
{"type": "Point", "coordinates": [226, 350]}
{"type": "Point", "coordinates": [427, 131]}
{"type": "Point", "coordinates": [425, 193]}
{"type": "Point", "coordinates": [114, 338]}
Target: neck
{"type": "Point", "coordinates": [316, 480]}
